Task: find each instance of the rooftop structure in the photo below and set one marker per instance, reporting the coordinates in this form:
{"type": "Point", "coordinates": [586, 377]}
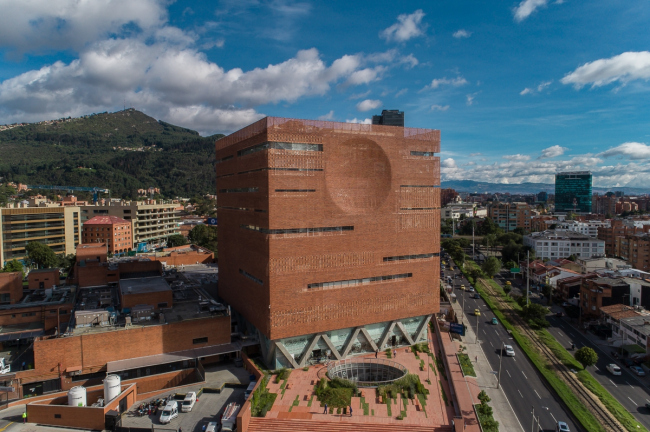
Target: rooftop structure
{"type": "Point", "coordinates": [553, 244]}
{"type": "Point", "coordinates": [389, 118]}
{"type": "Point", "coordinates": [329, 235]}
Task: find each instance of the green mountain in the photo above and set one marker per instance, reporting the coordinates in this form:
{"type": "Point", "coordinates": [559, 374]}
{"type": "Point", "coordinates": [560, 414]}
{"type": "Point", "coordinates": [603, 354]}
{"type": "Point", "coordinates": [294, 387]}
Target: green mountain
{"type": "Point", "coordinates": [122, 151]}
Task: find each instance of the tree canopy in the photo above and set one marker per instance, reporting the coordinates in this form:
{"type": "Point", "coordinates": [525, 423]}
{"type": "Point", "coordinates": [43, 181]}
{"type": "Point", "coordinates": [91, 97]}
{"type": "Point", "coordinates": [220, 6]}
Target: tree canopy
{"type": "Point", "coordinates": [491, 266]}
{"type": "Point", "coordinates": [204, 236]}
{"type": "Point", "coordinates": [41, 255]}
{"type": "Point", "coordinates": [14, 266]}
{"type": "Point", "coordinates": [586, 356]}
{"type": "Point", "coordinates": [176, 240]}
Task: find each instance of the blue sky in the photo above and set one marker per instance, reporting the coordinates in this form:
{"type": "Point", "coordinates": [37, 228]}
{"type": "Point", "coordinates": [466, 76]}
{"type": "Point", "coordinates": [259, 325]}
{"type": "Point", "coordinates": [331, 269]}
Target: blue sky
{"type": "Point", "coordinates": [519, 90]}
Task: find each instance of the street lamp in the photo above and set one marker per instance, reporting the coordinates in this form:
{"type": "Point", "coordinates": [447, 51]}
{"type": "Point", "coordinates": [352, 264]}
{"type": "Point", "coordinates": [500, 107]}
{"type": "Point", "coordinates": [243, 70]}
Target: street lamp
{"type": "Point", "coordinates": [477, 316]}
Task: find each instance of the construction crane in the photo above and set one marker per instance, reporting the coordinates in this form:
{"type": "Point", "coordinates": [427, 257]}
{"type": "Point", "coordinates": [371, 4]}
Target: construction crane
{"type": "Point", "coordinates": [94, 190]}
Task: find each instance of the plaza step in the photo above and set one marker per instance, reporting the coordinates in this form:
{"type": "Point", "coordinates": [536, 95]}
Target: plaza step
{"type": "Point", "coordinates": [258, 424]}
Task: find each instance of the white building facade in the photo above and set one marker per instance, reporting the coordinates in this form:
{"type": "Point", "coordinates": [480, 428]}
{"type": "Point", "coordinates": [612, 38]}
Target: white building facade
{"type": "Point", "coordinates": [553, 244]}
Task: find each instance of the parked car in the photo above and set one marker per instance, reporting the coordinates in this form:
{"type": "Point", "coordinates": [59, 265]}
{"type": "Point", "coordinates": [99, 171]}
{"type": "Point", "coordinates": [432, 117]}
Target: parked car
{"type": "Point", "coordinates": [647, 405]}
{"type": "Point", "coordinates": [628, 362]}
{"type": "Point", "coordinates": [477, 312]}
{"type": "Point", "coordinates": [495, 321]}
{"type": "Point", "coordinates": [212, 427]}
{"type": "Point", "coordinates": [477, 295]}
{"type": "Point", "coordinates": [614, 369]}
{"type": "Point", "coordinates": [509, 351]}
{"type": "Point", "coordinates": [562, 427]}
{"type": "Point", "coordinates": [638, 370]}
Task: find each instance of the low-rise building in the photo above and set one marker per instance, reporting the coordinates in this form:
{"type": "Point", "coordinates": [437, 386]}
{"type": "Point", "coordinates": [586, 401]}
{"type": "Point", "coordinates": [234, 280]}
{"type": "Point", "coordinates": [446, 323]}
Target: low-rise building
{"type": "Point", "coordinates": [590, 265]}
{"type": "Point", "coordinates": [620, 228]}
{"type": "Point", "coordinates": [569, 287]}
{"type": "Point", "coordinates": [181, 256]}
{"type": "Point", "coordinates": [553, 244]}
{"type": "Point", "coordinates": [634, 248]}
{"type": "Point", "coordinates": [11, 287]}
{"type": "Point", "coordinates": [589, 228]}
{"type": "Point", "coordinates": [598, 292]}
{"type": "Point", "coordinates": [629, 325]}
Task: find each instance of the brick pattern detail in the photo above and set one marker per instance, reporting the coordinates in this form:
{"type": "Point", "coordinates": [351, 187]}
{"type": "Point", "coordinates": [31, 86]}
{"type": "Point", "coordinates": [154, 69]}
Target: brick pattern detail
{"type": "Point", "coordinates": [360, 185]}
{"type": "Point", "coordinates": [319, 262]}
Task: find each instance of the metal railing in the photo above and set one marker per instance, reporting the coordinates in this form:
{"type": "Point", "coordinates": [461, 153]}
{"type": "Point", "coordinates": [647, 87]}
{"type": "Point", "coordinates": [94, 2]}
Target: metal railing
{"type": "Point", "coordinates": [366, 372]}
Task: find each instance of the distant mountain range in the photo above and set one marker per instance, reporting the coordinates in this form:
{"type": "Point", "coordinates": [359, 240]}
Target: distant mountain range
{"type": "Point", "coordinates": [524, 188]}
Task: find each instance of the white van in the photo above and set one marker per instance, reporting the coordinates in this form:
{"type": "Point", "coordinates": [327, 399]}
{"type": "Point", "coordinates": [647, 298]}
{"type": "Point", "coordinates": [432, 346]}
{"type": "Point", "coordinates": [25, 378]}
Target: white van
{"type": "Point", "coordinates": [188, 402]}
{"type": "Point", "coordinates": [169, 413]}
{"type": "Point", "coordinates": [249, 390]}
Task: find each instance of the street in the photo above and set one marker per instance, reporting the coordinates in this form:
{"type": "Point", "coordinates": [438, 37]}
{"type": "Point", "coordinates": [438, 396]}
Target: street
{"type": "Point", "coordinates": [520, 380]}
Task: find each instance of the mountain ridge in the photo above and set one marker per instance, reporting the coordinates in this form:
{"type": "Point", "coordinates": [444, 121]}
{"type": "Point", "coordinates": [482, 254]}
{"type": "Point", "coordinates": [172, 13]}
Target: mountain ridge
{"type": "Point", "coordinates": [524, 188]}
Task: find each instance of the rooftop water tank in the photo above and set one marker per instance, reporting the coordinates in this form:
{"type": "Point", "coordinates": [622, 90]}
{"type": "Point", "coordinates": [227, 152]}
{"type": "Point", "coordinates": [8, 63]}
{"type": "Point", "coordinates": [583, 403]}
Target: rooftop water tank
{"type": "Point", "coordinates": [112, 387]}
{"type": "Point", "coordinates": [77, 396]}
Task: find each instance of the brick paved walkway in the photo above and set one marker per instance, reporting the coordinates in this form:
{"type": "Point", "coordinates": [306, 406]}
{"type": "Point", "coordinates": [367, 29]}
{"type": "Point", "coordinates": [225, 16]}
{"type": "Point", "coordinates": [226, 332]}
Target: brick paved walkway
{"type": "Point", "coordinates": [300, 387]}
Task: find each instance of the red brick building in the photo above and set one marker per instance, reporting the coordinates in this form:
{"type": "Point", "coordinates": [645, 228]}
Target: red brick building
{"type": "Point", "coordinates": [43, 278]}
{"type": "Point", "coordinates": [329, 235]}
{"type": "Point", "coordinates": [11, 287]}
{"type": "Point", "coordinates": [112, 230]}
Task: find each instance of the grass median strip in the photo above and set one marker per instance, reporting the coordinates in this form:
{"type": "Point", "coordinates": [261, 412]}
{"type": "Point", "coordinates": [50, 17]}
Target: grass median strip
{"type": "Point", "coordinates": [466, 365]}
{"type": "Point", "coordinates": [563, 390]}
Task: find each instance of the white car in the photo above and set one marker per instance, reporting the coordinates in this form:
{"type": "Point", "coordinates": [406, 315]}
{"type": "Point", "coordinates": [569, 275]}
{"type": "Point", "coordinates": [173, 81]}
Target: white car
{"type": "Point", "coordinates": [613, 369]}
{"type": "Point", "coordinates": [562, 427]}
{"type": "Point", "coordinates": [212, 427]}
{"type": "Point", "coordinates": [509, 351]}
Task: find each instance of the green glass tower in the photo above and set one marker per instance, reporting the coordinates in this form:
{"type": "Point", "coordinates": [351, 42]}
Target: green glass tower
{"type": "Point", "coordinates": [573, 192]}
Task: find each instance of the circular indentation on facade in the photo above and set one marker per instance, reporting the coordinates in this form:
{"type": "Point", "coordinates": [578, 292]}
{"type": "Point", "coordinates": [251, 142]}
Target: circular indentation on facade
{"type": "Point", "coordinates": [358, 175]}
{"type": "Point", "coordinates": [367, 372]}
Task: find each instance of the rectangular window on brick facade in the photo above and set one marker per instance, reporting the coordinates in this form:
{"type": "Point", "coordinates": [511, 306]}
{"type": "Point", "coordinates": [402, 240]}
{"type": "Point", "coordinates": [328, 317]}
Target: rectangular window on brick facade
{"type": "Point", "coordinates": [420, 153]}
{"type": "Point", "coordinates": [239, 190]}
{"type": "Point", "coordinates": [295, 190]}
{"type": "Point", "coordinates": [410, 257]}
{"type": "Point", "coordinates": [280, 146]}
{"type": "Point", "coordinates": [200, 340]}
{"type": "Point", "coordinates": [251, 277]}
{"type": "Point", "coordinates": [297, 230]}
{"type": "Point", "coordinates": [353, 282]}
{"type": "Point", "coordinates": [57, 415]}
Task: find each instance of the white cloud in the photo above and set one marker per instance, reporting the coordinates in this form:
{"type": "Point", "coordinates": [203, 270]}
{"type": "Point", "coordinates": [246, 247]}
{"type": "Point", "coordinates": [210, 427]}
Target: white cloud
{"type": "Point", "coordinates": [455, 82]}
{"type": "Point", "coordinates": [475, 154]}
{"type": "Point", "coordinates": [624, 68]}
{"type": "Point", "coordinates": [39, 25]}
{"type": "Point", "coordinates": [368, 104]}
{"type": "Point", "coordinates": [401, 92]}
{"type": "Point", "coordinates": [470, 99]}
{"type": "Point", "coordinates": [167, 80]}
{"type": "Point", "coordinates": [439, 107]}
{"type": "Point", "coordinates": [365, 76]}
{"type": "Point", "coordinates": [461, 34]}
{"type": "Point", "coordinates": [329, 116]}
{"type": "Point", "coordinates": [526, 8]}
{"type": "Point", "coordinates": [630, 150]}
{"type": "Point", "coordinates": [407, 27]}
{"type": "Point", "coordinates": [553, 151]}
{"type": "Point", "coordinates": [448, 163]}
{"type": "Point", "coordinates": [540, 87]}
{"type": "Point", "coordinates": [517, 157]}
{"type": "Point", "coordinates": [360, 121]}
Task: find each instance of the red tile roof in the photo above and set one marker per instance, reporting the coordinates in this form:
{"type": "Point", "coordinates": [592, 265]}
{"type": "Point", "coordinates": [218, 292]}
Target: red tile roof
{"type": "Point", "coordinates": [106, 220]}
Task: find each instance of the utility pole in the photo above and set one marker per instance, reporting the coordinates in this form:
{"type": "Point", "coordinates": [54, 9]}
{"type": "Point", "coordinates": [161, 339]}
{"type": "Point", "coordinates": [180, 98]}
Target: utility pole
{"type": "Point", "coordinates": [463, 311]}
{"type": "Point", "coordinates": [476, 328]}
{"type": "Point", "coordinates": [500, 358]}
{"type": "Point", "coordinates": [527, 275]}
{"type": "Point", "coordinates": [473, 247]}
{"type": "Point", "coordinates": [532, 426]}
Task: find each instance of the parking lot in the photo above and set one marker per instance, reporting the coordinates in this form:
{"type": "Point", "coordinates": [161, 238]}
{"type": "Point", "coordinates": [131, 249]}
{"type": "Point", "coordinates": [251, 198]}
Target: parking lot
{"type": "Point", "coordinates": [208, 408]}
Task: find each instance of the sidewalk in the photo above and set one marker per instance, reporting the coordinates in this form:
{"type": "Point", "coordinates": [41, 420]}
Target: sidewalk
{"type": "Point", "coordinates": [501, 408]}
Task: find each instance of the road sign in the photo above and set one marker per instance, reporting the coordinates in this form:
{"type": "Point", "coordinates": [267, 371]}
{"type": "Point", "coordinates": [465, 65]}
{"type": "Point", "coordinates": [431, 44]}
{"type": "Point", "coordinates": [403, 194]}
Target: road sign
{"type": "Point", "coordinates": [515, 270]}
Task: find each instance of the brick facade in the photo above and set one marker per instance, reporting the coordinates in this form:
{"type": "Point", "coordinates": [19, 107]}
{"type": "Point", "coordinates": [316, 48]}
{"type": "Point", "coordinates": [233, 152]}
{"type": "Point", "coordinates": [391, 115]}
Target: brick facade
{"type": "Point", "coordinates": [303, 203]}
{"type": "Point", "coordinates": [92, 352]}
{"type": "Point", "coordinates": [11, 287]}
{"type": "Point", "coordinates": [43, 279]}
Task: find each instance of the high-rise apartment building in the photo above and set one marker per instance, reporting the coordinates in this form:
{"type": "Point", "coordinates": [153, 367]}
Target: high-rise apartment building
{"type": "Point", "coordinates": [573, 192]}
{"type": "Point", "coordinates": [57, 227]}
{"type": "Point", "coordinates": [509, 216]}
{"type": "Point", "coordinates": [153, 221]}
{"type": "Point", "coordinates": [635, 249]}
{"type": "Point", "coordinates": [329, 235]}
{"type": "Point", "coordinates": [389, 118]}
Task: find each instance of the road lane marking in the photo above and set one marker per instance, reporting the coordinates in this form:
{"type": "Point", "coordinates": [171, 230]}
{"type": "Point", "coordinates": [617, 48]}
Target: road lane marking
{"type": "Point", "coordinates": [612, 382]}
{"type": "Point", "coordinates": [633, 401]}
{"type": "Point", "coordinates": [520, 394]}
{"type": "Point", "coordinates": [571, 335]}
{"type": "Point", "coordinates": [537, 393]}
{"type": "Point", "coordinates": [597, 368]}
{"type": "Point", "coordinates": [491, 344]}
{"type": "Point", "coordinates": [484, 332]}
{"type": "Point", "coordinates": [508, 373]}
{"type": "Point", "coordinates": [629, 384]}
{"type": "Point", "coordinates": [495, 331]}
{"type": "Point", "coordinates": [553, 418]}
{"type": "Point", "coordinates": [524, 374]}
